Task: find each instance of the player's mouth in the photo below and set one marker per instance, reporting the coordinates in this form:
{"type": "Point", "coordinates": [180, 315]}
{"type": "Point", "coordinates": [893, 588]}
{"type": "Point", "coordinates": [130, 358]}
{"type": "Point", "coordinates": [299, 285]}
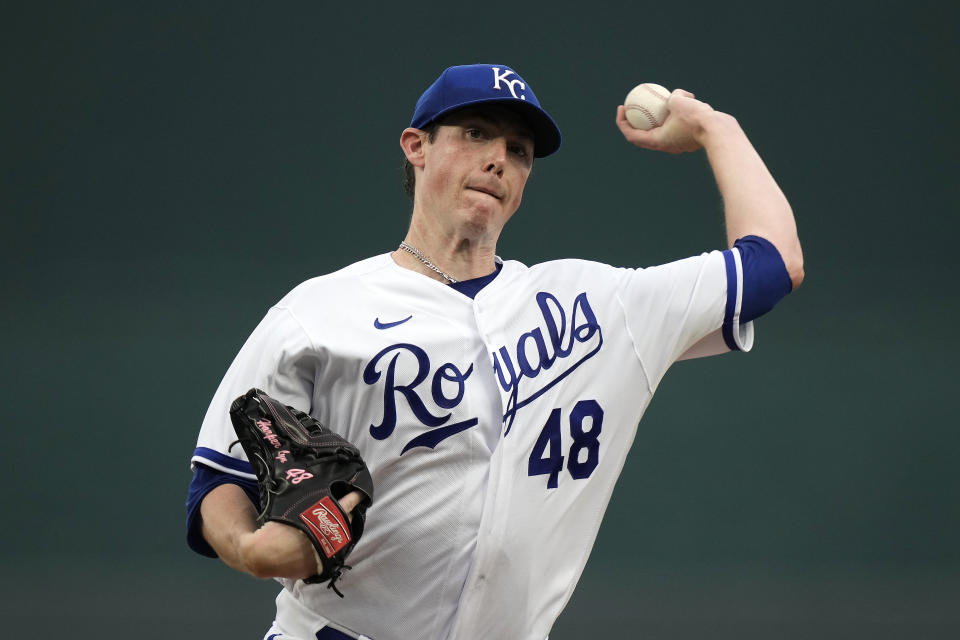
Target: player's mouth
{"type": "Point", "coordinates": [489, 192]}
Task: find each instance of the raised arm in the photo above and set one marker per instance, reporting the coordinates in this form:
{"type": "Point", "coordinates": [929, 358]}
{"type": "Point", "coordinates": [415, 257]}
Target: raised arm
{"type": "Point", "coordinates": [753, 202]}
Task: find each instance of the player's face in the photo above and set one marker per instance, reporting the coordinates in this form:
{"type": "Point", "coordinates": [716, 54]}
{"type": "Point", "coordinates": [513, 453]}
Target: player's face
{"type": "Point", "coordinates": [476, 168]}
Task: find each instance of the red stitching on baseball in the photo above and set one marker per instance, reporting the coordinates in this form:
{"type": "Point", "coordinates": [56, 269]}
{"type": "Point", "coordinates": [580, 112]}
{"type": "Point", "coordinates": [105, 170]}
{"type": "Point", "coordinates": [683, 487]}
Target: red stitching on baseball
{"type": "Point", "coordinates": [653, 91]}
{"type": "Point", "coordinates": [645, 112]}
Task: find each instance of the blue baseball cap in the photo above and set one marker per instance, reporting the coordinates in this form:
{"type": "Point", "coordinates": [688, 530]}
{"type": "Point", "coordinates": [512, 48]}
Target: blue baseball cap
{"type": "Point", "coordinates": [466, 85]}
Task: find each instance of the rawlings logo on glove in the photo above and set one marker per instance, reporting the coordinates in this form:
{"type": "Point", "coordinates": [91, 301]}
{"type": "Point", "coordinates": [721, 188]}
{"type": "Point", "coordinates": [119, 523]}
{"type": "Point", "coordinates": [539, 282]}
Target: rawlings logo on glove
{"type": "Point", "coordinates": [333, 534]}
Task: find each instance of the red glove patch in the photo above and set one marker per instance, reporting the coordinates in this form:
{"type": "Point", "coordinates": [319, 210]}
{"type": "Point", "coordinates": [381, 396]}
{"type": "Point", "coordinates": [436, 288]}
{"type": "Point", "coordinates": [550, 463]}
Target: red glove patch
{"type": "Point", "coordinates": [326, 522]}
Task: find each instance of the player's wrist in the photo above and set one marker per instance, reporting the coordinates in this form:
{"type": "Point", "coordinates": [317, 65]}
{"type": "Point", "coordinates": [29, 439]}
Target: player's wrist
{"type": "Point", "coordinates": [252, 559]}
{"type": "Point", "coordinates": [276, 550]}
{"type": "Point", "coordinates": [714, 127]}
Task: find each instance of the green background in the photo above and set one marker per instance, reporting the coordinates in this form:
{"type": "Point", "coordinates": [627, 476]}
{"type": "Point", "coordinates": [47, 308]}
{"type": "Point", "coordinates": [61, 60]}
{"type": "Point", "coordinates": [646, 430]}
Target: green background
{"type": "Point", "coordinates": [171, 169]}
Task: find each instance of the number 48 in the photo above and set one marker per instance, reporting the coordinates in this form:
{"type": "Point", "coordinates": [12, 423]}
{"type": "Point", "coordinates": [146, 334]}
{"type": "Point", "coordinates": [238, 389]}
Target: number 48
{"type": "Point", "coordinates": [547, 455]}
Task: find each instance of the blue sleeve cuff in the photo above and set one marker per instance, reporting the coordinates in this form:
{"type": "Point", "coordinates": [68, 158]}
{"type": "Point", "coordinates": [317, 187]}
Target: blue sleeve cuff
{"type": "Point", "coordinates": [765, 277]}
{"type": "Point", "coordinates": [731, 313]}
{"type": "Point", "coordinates": [205, 480]}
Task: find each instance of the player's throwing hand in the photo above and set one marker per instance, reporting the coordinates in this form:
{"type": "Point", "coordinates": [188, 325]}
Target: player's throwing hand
{"type": "Point", "coordinates": [680, 132]}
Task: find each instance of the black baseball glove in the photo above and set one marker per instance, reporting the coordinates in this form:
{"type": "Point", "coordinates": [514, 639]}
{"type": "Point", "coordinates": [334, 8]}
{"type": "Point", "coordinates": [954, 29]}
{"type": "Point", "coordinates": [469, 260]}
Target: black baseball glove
{"type": "Point", "coordinates": [303, 469]}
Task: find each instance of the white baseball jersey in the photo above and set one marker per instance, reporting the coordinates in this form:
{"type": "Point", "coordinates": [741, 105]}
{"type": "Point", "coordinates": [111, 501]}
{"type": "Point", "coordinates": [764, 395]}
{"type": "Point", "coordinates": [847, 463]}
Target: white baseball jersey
{"type": "Point", "coordinates": [494, 427]}
{"type": "Point", "coordinates": [578, 349]}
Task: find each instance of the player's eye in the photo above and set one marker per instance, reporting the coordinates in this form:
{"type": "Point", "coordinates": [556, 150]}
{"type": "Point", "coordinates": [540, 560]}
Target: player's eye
{"type": "Point", "coordinates": [475, 133]}
{"type": "Point", "coordinates": [519, 150]}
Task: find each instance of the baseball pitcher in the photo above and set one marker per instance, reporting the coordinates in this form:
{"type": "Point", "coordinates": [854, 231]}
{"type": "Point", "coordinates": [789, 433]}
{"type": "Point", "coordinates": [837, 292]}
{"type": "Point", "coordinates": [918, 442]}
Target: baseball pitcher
{"type": "Point", "coordinates": [434, 433]}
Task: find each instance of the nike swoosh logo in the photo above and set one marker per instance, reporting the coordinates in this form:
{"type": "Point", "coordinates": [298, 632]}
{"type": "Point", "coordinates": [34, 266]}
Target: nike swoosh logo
{"type": "Point", "coordinates": [386, 325]}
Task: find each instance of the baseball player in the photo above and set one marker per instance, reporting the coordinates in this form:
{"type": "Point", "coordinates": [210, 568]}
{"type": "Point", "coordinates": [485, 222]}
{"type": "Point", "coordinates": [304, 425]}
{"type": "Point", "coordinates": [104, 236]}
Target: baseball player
{"type": "Point", "coordinates": [494, 403]}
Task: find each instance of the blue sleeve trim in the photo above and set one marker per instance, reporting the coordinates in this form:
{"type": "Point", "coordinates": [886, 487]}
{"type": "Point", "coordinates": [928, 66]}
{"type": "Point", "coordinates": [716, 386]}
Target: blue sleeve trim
{"type": "Point", "coordinates": [206, 479]}
{"type": "Point", "coordinates": [730, 311]}
{"type": "Point", "coordinates": [765, 277]}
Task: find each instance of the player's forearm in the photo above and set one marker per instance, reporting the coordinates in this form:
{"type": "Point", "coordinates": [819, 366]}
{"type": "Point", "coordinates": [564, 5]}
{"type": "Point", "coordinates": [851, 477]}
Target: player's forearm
{"type": "Point", "coordinates": [227, 517]}
{"type": "Point", "coordinates": [753, 202]}
{"type": "Point", "coordinates": [274, 550]}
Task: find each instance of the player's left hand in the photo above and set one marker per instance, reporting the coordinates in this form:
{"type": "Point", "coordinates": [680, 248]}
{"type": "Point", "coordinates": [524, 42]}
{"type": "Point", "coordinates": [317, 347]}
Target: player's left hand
{"type": "Point", "coordinates": [679, 133]}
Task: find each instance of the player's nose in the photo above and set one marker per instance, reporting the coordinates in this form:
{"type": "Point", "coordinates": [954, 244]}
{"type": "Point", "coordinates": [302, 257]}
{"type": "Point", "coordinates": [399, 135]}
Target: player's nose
{"type": "Point", "coordinates": [496, 156]}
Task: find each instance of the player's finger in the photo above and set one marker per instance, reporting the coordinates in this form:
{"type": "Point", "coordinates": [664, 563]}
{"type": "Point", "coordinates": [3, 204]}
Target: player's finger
{"type": "Point", "coordinates": [682, 95]}
{"type": "Point", "coordinates": [350, 501]}
{"type": "Point", "coordinates": [621, 119]}
{"type": "Point", "coordinates": [622, 123]}
{"type": "Point", "coordinates": [678, 95]}
{"type": "Point", "coordinates": [638, 137]}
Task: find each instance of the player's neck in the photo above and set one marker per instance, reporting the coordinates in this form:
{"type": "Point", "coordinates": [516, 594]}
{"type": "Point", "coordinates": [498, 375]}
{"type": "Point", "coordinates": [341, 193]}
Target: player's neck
{"type": "Point", "coordinates": [454, 256]}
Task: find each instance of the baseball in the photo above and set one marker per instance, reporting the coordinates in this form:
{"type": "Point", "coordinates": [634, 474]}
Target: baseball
{"type": "Point", "coordinates": [646, 106]}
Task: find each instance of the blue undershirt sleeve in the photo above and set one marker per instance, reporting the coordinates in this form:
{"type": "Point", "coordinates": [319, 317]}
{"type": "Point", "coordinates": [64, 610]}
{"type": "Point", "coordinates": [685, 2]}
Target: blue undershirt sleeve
{"type": "Point", "coordinates": [765, 277]}
{"type": "Point", "coordinates": [204, 481]}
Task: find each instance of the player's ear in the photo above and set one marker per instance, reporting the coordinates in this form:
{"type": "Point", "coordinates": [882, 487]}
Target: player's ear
{"type": "Point", "coordinates": [413, 141]}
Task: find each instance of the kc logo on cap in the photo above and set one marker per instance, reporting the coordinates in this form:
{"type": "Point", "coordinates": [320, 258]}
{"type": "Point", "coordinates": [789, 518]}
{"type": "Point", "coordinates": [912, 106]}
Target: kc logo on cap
{"type": "Point", "coordinates": [512, 84]}
{"type": "Point", "coordinates": [478, 84]}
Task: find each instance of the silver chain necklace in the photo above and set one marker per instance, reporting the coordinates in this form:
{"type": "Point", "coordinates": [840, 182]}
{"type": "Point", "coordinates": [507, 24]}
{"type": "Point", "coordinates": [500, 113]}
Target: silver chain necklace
{"type": "Point", "coordinates": [422, 258]}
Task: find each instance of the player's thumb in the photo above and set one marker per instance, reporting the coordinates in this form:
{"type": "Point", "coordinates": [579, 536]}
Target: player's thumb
{"type": "Point", "coordinates": [350, 501]}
